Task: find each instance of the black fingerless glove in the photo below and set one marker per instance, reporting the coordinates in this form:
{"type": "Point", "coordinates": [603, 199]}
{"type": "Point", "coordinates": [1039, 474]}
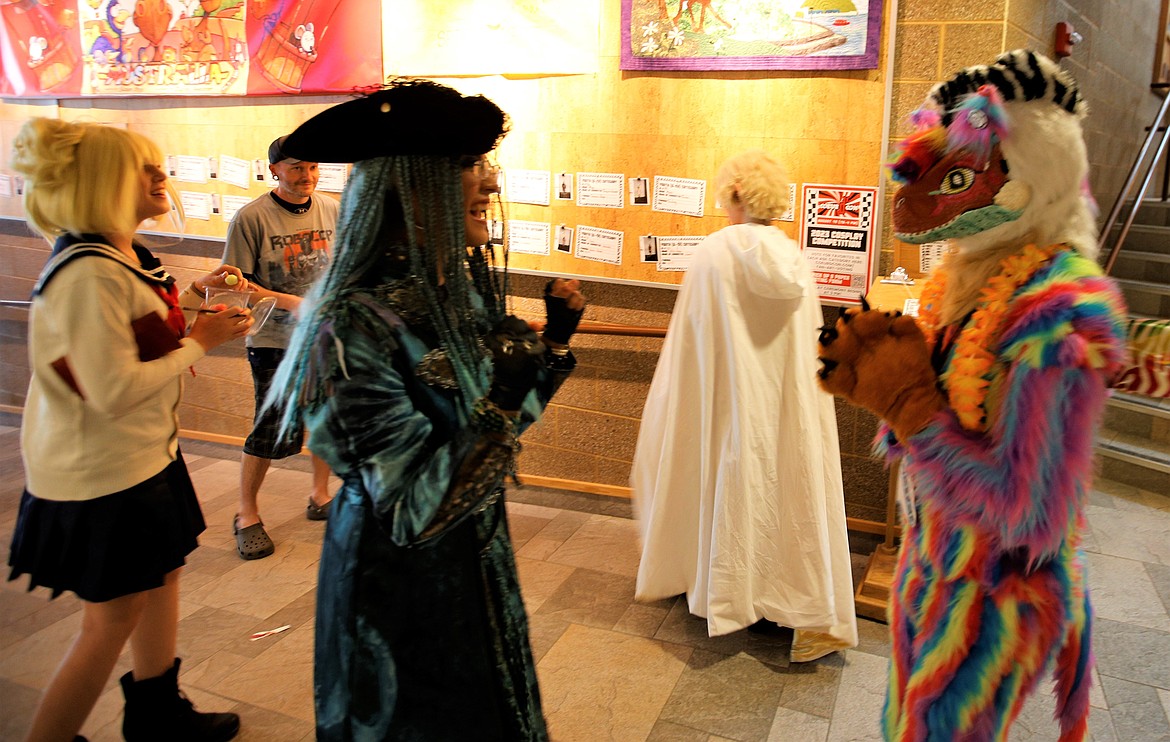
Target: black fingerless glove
{"type": "Point", "coordinates": [562, 321]}
{"type": "Point", "coordinates": [517, 359]}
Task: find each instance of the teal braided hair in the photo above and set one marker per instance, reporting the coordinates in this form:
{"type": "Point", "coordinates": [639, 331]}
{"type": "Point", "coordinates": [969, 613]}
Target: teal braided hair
{"type": "Point", "coordinates": [429, 195]}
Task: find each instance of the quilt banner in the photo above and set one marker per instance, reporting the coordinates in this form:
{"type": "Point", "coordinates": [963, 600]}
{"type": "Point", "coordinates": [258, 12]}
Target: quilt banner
{"type": "Point", "coordinates": [750, 34]}
{"type": "Point", "coordinates": [107, 48]}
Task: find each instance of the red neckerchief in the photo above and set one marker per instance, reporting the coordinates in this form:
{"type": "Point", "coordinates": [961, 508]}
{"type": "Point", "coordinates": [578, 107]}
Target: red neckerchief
{"type": "Point", "coordinates": [175, 319]}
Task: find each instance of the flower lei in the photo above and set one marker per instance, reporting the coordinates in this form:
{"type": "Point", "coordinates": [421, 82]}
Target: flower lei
{"type": "Point", "coordinates": [968, 378]}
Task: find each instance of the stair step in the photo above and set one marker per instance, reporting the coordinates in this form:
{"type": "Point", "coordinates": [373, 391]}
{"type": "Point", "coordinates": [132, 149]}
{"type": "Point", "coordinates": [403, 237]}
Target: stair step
{"type": "Point", "coordinates": [1148, 287]}
{"type": "Point", "coordinates": [1135, 449]}
{"type": "Point", "coordinates": [1149, 237]}
{"type": "Point", "coordinates": [1152, 211]}
{"type": "Point", "coordinates": [1129, 459]}
{"type": "Point", "coordinates": [1159, 408]}
{"type": "Point", "coordinates": [1131, 465]}
{"type": "Point", "coordinates": [1142, 265]}
{"type": "Point", "coordinates": [1133, 446]}
{"type": "Point", "coordinates": [1151, 257]}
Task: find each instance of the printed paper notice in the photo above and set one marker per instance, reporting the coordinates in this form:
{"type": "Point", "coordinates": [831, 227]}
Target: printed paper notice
{"type": "Point", "coordinates": [190, 169]}
{"type": "Point", "coordinates": [232, 204]}
{"type": "Point", "coordinates": [837, 236]}
{"type": "Point", "coordinates": [679, 195]}
{"type": "Point", "coordinates": [930, 255]}
{"type": "Point", "coordinates": [601, 245]}
{"type": "Point", "coordinates": [529, 187]}
{"type": "Point", "coordinates": [196, 205]}
{"type": "Point", "coordinates": [6, 186]}
{"type": "Point", "coordinates": [601, 189]}
{"type": "Point", "coordinates": [333, 177]}
{"type": "Point", "coordinates": [234, 170]}
{"type": "Point", "coordinates": [675, 253]}
{"type": "Point", "coordinates": [532, 238]}
{"type": "Point", "coordinates": [790, 215]}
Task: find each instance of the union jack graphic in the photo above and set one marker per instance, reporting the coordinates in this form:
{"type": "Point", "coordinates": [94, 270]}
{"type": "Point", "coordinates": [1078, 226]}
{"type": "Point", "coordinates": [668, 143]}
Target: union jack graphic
{"type": "Point", "coordinates": [841, 207]}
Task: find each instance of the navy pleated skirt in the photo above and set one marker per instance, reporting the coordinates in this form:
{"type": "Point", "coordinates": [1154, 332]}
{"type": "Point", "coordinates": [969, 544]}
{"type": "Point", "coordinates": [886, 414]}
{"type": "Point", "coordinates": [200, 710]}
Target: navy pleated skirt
{"type": "Point", "coordinates": [113, 545]}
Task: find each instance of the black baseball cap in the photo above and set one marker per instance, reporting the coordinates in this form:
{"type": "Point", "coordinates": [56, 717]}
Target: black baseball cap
{"type": "Point", "coordinates": [277, 155]}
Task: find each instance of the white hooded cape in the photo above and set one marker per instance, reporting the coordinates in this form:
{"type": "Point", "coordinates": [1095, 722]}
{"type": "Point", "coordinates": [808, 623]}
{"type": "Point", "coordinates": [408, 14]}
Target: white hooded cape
{"type": "Point", "coordinates": [737, 473]}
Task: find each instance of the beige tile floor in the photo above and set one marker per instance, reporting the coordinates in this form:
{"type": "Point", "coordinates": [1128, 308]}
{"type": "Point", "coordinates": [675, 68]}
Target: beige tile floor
{"type": "Point", "coordinates": [610, 668]}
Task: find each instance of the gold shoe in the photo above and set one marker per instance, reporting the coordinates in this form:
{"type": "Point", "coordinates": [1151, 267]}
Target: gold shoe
{"type": "Point", "coordinates": [808, 646]}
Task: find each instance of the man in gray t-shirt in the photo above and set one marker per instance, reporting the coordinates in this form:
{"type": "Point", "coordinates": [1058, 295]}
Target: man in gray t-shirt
{"type": "Point", "coordinates": [281, 242]}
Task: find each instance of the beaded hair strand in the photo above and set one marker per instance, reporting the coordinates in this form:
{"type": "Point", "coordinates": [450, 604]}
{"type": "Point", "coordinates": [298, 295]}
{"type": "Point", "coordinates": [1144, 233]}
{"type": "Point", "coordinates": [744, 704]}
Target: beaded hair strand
{"type": "Point", "coordinates": [433, 183]}
{"type": "Point", "coordinates": [428, 190]}
{"type": "Point", "coordinates": [491, 279]}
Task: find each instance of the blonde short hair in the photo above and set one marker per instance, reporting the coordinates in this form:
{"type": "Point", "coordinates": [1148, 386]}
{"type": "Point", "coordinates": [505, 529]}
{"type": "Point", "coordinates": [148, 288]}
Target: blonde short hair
{"type": "Point", "coordinates": [81, 177]}
{"type": "Point", "coordinates": [756, 181]}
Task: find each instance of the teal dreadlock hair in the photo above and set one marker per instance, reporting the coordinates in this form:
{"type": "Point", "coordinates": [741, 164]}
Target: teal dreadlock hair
{"type": "Point", "coordinates": [428, 191]}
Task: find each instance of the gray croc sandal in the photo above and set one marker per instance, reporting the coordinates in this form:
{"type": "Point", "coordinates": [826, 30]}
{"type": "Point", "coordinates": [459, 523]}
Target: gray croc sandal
{"type": "Point", "coordinates": [252, 541]}
{"type": "Point", "coordinates": [317, 512]}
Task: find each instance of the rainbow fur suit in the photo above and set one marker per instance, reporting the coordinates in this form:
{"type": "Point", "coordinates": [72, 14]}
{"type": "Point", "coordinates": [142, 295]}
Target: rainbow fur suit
{"type": "Point", "coordinates": [991, 401]}
{"type": "Point", "coordinates": [990, 587]}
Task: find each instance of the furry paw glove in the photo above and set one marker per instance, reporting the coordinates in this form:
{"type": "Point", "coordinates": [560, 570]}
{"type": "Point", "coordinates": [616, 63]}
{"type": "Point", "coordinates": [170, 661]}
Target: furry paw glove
{"type": "Point", "coordinates": [880, 361]}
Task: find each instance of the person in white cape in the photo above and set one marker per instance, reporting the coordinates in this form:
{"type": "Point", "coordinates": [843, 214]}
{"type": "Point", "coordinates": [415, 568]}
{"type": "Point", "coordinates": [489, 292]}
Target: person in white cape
{"type": "Point", "coordinates": [737, 472]}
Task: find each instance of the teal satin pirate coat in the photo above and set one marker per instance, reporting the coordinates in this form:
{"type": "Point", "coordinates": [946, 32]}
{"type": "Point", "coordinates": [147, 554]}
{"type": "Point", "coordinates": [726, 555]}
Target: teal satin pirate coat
{"type": "Point", "coordinates": [417, 638]}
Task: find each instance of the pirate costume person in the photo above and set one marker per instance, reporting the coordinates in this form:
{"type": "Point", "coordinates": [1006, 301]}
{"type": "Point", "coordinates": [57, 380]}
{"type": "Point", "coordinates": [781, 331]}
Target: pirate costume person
{"type": "Point", "coordinates": [991, 400]}
{"type": "Point", "coordinates": [414, 386]}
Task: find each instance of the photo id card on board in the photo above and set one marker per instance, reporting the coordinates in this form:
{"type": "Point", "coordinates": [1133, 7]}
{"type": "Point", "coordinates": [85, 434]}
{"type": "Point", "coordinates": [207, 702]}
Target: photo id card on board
{"type": "Point", "coordinates": [679, 195]}
{"type": "Point", "coordinates": [601, 245]}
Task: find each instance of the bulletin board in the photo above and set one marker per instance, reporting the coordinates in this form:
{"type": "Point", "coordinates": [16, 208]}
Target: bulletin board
{"type": "Point", "coordinates": [670, 129]}
{"type": "Point", "coordinates": [673, 128]}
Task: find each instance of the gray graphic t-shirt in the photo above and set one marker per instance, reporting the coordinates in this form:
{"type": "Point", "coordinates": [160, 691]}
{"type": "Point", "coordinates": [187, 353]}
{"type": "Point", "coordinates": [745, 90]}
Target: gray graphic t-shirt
{"type": "Point", "coordinates": [283, 252]}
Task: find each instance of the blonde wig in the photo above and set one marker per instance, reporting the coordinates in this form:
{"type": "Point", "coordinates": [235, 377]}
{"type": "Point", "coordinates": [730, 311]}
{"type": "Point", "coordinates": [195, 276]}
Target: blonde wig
{"type": "Point", "coordinates": [82, 178]}
{"type": "Point", "coordinates": [755, 181]}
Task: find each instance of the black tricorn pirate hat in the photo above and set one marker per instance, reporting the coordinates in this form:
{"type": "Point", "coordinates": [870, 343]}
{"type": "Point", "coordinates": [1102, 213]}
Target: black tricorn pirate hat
{"type": "Point", "coordinates": [407, 117]}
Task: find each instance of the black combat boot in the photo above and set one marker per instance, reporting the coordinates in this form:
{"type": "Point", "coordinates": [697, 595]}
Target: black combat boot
{"type": "Point", "coordinates": [157, 710]}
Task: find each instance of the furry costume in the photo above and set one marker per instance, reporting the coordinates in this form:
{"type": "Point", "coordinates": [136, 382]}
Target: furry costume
{"type": "Point", "coordinates": [1023, 333]}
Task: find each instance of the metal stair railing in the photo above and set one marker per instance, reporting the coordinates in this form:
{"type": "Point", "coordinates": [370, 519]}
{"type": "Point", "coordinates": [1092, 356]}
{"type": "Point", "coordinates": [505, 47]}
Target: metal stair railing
{"type": "Point", "coordinates": [1155, 128]}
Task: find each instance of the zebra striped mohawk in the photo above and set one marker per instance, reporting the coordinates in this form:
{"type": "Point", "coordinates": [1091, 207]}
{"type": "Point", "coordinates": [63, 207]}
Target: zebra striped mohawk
{"type": "Point", "coordinates": [1019, 76]}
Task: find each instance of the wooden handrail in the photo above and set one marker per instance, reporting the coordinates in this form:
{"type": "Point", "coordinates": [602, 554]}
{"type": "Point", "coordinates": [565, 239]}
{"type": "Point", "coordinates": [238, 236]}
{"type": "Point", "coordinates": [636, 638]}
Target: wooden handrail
{"type": "Point", "coordinates": [607, 328]}
{"type": "Point", "coordinates": [589, 328]}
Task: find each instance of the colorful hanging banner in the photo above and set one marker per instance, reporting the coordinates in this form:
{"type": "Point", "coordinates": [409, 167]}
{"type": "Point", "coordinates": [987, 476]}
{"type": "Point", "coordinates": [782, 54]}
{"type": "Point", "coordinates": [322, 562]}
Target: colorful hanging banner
{"type": "Point", "coordinates": [757, 35]}
{"type": "Point", "coordinates": [210, 47]}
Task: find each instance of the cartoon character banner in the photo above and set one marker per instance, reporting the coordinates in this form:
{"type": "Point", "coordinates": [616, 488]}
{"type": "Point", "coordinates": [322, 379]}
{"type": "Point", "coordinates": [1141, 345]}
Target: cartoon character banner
{"type": "Point", "coordinates": [750, 34]}
{"type": "Point", "coordinates": [69, 48]}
